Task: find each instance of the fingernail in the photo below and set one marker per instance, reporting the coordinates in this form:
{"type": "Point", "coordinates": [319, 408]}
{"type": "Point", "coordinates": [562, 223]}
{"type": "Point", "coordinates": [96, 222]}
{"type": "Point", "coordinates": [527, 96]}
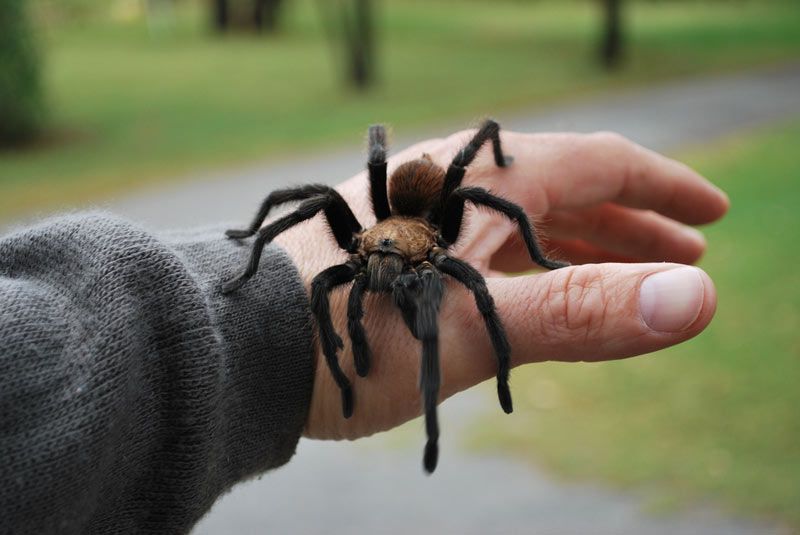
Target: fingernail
{"type": "Point", "coordinates": [670, 301]}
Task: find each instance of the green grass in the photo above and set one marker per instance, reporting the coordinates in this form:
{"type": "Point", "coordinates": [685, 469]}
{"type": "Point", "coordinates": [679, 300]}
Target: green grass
{"type": "Point", "coordinates": [716, 418]}
{"type": "Point", "coordinates": [128, 107]}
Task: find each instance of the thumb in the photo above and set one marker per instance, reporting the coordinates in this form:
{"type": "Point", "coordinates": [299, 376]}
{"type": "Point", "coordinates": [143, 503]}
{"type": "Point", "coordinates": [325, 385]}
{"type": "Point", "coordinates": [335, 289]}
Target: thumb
{"type": "Point", "coordinates": [594, 312]}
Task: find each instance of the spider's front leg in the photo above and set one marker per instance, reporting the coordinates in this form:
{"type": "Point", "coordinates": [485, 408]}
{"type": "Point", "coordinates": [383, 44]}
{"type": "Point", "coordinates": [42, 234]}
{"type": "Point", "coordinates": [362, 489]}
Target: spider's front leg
{"type": "Point", "coordinates": [474, 281]}
{"type": "Point", "coordinates": [453, 216]}
{"type": "Point", "coordinates": [321, 286]}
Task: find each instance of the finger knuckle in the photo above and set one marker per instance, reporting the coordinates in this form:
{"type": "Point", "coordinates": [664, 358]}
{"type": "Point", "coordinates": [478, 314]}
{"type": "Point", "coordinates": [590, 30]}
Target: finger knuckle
{"type": "Point", "coordinates": [611, 141]}
{"type": "Point", "coordinates": [575, 302]}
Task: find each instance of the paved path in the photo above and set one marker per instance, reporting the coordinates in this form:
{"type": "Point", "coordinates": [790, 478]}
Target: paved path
{"type": "Point", "coordinates": [665, 118]}
{"type": "Point", "coordinates": [371, 487]}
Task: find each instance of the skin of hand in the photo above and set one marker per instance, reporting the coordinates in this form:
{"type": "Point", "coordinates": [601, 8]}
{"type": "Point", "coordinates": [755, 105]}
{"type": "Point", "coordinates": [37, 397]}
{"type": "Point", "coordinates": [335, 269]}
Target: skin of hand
{"type": "Point", "coordinates": [618, 212]}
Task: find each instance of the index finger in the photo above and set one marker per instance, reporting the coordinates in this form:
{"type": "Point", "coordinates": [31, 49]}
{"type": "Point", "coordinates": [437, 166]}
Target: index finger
{"type": "Point", "coordinates": [581, 170]}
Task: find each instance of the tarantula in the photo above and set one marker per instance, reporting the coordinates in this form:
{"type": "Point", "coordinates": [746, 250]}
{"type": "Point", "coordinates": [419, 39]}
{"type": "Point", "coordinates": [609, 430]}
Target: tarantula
{"type": "Point", "coordinates": [404, 254]}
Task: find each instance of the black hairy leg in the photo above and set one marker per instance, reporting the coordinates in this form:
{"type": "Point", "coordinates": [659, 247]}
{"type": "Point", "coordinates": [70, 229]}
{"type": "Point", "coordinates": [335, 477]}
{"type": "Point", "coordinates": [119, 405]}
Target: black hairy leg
{"type": "Point", "coordinates": [419, 297]}
{"type": "Point", "coordinates": [341, 220]}
{"type": "Point", "coordinates": [454, 214]}
{"type": "Point", "coordinates": [489, 130]}
{"type": "Point", "coordinates": [274, 199]}
{"type": "Point", "coordinates": [321, 286]}
{"type": "Point", "coordinates": [376, 167]}
{"type": "Point", "coordinates": [355, 313]}
{"type": "Point", "coordinates": [474, 281]}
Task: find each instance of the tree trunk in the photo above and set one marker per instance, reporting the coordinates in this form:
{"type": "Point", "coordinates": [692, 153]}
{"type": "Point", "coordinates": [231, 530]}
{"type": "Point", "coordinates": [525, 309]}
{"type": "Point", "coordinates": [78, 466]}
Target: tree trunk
{"type": "Point", "coordinates": [21, 100]}
{"type": "Point", "coordinates": [611, 45]}
{"type": "Point", "coordinates": [360, 40]}
{"type": "Point", "coordinates": [349, 25]}
{"type": "Point", "coordinates": [220, 15]}
{"type": "Point", "coordinates": [265, 15]}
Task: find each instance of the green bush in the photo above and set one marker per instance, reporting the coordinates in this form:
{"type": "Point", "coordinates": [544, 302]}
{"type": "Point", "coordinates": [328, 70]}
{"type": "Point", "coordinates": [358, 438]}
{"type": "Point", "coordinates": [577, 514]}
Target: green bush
{"type": "Point", "coordinates": [20, 85]}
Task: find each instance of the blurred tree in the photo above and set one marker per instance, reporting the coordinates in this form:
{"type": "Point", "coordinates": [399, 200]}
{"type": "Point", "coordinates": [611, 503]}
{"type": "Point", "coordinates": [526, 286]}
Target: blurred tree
{"type": "Point", "coordinates": [611, 43]}
{"type": "Point", "coordinates": [266, 15]}
{"type": "Point", "coordinates": [20, 84]}
{"type": "Point", "coordinates": [258, 15]}
{"type": "Point", "coordinates": [350, 25]}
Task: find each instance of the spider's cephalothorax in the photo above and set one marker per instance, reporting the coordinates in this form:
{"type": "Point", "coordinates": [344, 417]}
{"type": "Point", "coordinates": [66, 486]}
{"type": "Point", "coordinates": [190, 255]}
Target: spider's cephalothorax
{"type": "Point", "coordinates": [405, 253]}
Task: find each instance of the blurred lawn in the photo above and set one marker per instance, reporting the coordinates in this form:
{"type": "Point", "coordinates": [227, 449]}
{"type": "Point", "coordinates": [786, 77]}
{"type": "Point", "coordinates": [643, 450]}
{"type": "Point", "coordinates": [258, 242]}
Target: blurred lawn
{"type": "Point", "coordinates": [717, 418]}
{"type": "Point", "coordinates": [131, 106]}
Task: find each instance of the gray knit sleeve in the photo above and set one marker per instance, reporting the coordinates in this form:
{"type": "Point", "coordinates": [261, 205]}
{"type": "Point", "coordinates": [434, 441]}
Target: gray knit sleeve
{"type": "Point", "coordinates": [132, 393]}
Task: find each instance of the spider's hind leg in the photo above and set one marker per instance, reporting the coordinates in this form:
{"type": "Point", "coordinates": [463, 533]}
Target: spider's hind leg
{"type": "Point", "coordinates": [376, 168]}
{"type": "Point", "coordinates": [489, 130]}
{"type": "Point", "coordinates": [342, 222]}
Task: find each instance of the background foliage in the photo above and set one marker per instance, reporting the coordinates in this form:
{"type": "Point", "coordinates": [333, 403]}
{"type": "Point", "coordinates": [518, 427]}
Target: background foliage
{"type": "Point", "coordinates": [140, 95]}
{"type": "Point", "coordinates": [20, 92]}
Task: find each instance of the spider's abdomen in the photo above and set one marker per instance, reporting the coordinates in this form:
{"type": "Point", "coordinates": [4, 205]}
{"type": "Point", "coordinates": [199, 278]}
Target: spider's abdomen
{"type": "Point", "coordinates": [415, 187]}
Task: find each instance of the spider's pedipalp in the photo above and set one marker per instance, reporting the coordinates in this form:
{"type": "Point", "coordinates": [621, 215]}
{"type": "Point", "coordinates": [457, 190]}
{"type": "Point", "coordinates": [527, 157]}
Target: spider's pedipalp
{"type": "Point", "coordinates": [454, 215]}
{"type": "Point", "coordinates": [419, 297]}
{"type": "Point", "coordinates": [474, 281]}
{"type": "Point", "coordinates": [321, 286]}
{"type": "Point", "coordinates": [355, 313]}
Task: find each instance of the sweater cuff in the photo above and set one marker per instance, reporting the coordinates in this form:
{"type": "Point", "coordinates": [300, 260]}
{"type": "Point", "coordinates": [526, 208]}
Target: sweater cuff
{"type": "Point", "coordinates": [266, 335]}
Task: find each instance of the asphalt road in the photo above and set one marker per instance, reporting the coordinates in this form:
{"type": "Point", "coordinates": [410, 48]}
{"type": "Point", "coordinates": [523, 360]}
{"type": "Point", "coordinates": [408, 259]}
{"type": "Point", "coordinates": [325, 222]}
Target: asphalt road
{"type": "Point", "coordinates": [377, 485]}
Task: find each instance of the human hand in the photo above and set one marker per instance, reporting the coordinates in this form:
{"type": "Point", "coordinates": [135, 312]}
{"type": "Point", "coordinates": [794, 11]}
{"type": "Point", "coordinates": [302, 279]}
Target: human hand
{"type": "Point", "coordinates": [601, 202]}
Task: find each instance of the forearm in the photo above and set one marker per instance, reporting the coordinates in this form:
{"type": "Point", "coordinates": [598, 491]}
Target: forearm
{"type": "Point", "coordinates": [132, 393]}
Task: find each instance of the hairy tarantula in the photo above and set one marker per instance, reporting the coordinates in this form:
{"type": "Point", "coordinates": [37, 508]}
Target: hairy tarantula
{"type": "Point", "coordinates": [405, 253]}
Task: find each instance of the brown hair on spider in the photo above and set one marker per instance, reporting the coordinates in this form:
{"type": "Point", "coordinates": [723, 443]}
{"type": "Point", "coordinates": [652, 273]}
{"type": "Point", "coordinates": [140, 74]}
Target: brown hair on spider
{"type": "Point", "coordinates": [405, 253]}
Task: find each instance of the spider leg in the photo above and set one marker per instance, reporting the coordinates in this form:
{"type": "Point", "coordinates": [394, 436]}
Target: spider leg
{"type": "Point", "coordinates": [274, 199]}
{"type": "Point", "coordinates": [454, 214]}
{"type": "Point", "coordinates": [489, 130]}
{"type": "Point", "coordinates": [321, 286]}
{"type": "Point", "coordinates": [474, 281]}
{"type": "Point", "coordinates": [419, 300]}
{"type": "Point", "coordinates": [355, 313]}
{"type": "Point", "coordinates": [376, 166]}
{"type": "Point", "coordinates": [339, 216]}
